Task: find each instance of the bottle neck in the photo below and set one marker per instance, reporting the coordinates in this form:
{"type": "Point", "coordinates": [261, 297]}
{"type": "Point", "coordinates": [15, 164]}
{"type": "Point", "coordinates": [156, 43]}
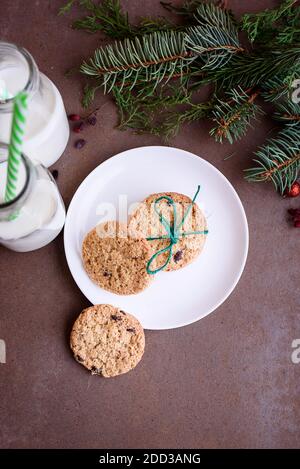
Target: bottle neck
{"type": "Point", "coordinates": [25, 183]}
{"type": "Point", "coordinates": [18, 72]}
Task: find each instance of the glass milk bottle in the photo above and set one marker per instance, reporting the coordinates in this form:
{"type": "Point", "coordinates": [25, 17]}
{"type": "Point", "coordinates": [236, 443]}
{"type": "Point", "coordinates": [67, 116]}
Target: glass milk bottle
{"type": "Point", "coordinates": [37, 214]}
{"type": "Point", "coordinates": [47, 130]}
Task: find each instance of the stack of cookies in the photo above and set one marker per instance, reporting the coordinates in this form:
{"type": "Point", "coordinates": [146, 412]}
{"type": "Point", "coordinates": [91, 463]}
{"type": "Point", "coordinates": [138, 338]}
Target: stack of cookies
{"type": "Point", "coordinates": [123, 258]}
{"type": "Point", "coordinates": [116, 255]}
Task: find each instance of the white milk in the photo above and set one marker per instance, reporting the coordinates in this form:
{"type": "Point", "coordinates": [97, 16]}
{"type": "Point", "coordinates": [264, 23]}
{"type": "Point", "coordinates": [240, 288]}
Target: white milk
{"type": "Point", "coordinates": [47, 128]}
{"type": "Point", "coordinates": [40, 217]}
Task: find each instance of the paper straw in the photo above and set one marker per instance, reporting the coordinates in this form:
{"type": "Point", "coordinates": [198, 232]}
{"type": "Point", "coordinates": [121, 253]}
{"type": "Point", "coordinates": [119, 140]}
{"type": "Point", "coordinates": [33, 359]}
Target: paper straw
{"type": "Point", "coordinates": [15, 145]}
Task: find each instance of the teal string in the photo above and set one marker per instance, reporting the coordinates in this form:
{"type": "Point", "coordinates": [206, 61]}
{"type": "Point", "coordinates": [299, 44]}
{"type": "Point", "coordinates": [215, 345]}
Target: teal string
{"type": "Point", "coordinates": [173, 231]}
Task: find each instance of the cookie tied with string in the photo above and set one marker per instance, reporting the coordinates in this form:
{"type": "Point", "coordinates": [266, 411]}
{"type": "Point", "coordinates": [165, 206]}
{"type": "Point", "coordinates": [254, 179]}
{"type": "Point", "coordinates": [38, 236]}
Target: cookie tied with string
{"type": "Point", "coordinates": [175, 228]}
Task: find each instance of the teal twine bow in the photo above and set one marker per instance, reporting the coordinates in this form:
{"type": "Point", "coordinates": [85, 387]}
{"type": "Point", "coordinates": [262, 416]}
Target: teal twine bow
{"type": "Point", "coordinates": [173, 231]}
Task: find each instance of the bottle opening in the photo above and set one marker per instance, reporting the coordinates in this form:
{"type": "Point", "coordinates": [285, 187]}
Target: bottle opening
{"type": "Point", "coordinates": [18, 72]}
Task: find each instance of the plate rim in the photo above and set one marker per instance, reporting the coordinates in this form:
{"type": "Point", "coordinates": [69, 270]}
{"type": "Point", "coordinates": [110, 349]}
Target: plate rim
{"type": "Point", "coordinates": [108, 162]}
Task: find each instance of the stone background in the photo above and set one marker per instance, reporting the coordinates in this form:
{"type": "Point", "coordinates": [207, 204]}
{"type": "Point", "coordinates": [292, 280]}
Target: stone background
{"type": "Point", "coordinates": [225, 381]}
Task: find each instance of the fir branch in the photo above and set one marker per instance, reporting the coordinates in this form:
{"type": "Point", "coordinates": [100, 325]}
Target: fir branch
{"type": "Point", "coordinates": [289, 32]}
{"type": "Point", "coordinates": [260, 24]}
{"type": "Point", "coordinates": [247, 70]}
{"type": "Point", "coordinates": [278, 160]}
{"type": "Point", "coordinates": [89, 94]}
{"type": "Point", "coordinates": [175, 120]}
{"type": "Point", "coordinates": [131, 115]}
{"type": "Point", "coordinates": [278, 87]}
{"type": "Point", "coordinates": [208, 14]}
{"type": "Point", "coordinates": [164, 53]}
{"type": "Point", "coordinates": [234, 116]}
{"type": "Point", "coordinates": [66, 8]}
{"type": "Point", "coordinates": [108, 17]}
{"type": "Point", "coordinates": [214, 46]}
{"type": "Point", "coordinates": [187, 9]}
{"type": "Point", "coordinates": [150, 25]}
{"type": "Point", "coordinates": [288, 112]}
{"type": "Point", "coordinates": [215, 38]}
{"type": "Point", "coordinates": [144, 111]}
{"type": "Point", "coordinates": [150, 58]}
{"type": "Point", "coordinates": [204, 49]}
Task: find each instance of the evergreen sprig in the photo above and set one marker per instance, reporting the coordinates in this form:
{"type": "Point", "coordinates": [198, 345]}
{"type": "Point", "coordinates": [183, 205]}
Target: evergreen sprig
{"type": "Point", "coordinates": [106, 16]}
{"type": "Point", "coordinates": [288, 113]}
{"type": "Point", "coordinates": [187, 8]}
{"type": "Point", "coordinates": [278, 160]}
{"type": "Point", "coordinates": [151, 58]}
{"type": "Point", "coordinates": [156, 68]}
{"type": "Point", "coordinates": [109, 18]}
{"type": "Point", "coordinates": [278, 88]}
{"type": "Point", "coordinates": [208, 14]}
{"type": "Point", "coordinates": [214, 44]}
{"type": "Point", "coordinates": [162, 54]}
{"type": "Point", "coordinates": [255, 68]}
{"type": "Point", "coordinates": [233, 116]}
{"type": "Point", "coordinates": [66, 7]}
{"type": "Point", "coordinates": [149, 113]}
{"type": "Point", "coordinates": [194, 112]}
{"type": "Point", "coordinates": [262, 26]}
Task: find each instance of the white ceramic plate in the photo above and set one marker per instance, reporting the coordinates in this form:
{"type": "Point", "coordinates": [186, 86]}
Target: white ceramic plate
{"type": "Point", "coordinates": [177, 298]}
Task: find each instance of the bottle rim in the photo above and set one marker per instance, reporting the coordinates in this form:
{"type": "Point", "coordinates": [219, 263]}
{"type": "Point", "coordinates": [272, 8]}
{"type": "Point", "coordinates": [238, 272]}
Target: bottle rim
{"type": "Point", "coordinates": [32, 84]}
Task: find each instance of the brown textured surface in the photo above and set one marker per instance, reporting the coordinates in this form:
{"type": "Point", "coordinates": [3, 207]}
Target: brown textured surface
{"type": "Point", "coordinates": [226, 381]}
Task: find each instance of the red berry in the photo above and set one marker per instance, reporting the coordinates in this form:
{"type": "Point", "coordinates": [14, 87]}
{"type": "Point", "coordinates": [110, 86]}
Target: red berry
{"type": "Point", "coordinates": [80, 143]}
{"type": "Point", "coordinates": [294, 212]}
{"type": "Point", "coordinates": [74, 117]}
{"type": "Point", "coordinates": [294, 191]}
{"type": "Point", "coordinates": [78, 128]}
{"type": "Point", "coordinates": [297, 224]}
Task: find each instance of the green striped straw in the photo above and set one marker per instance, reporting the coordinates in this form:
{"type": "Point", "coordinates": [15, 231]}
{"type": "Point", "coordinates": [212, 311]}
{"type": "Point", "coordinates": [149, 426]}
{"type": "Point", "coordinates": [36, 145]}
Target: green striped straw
{"type": "Point", "coordinates": [15, 145]}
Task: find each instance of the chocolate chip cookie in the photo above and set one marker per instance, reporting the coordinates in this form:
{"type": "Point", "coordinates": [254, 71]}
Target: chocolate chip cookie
{"type": "Point", "coordinates": [115, 261]}
{"type": "Point", "coordinates": [107, 341]}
